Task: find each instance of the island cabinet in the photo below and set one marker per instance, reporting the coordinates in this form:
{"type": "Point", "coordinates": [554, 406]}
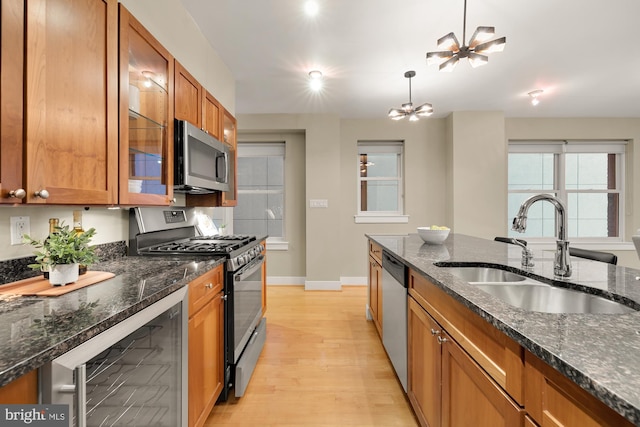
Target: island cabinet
{"type": "Point", "coordinates": [206, 344]}
{"type": "Point", "coordinates": [551, 399]}
{"type": "Point", "coordinates": [375, 285]}
{"type": "Point", "coordinates": [22, 390]}
{"type": "Point", "coordinates": [59, 120]}
{"type": "Point", "coordinates": [146, 116]}
{"type": "Point", "coordinates": [461, 370]}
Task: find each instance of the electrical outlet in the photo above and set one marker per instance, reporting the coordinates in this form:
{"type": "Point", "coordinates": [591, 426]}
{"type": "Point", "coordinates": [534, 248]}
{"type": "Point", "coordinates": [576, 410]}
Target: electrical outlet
{"type": "Point", "coordinates": [19, 226]}
{"type": "Point", "coordinates": [318, 203]}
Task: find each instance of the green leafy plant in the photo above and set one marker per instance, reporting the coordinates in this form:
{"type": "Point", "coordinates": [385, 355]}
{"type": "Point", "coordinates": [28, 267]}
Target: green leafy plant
{"type": "Point", "coordinates": [64, 246]}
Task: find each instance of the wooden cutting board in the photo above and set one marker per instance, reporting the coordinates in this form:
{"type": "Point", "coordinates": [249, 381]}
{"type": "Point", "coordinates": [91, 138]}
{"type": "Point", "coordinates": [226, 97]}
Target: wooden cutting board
{"type": "Point", "coordinates": [39, 286]}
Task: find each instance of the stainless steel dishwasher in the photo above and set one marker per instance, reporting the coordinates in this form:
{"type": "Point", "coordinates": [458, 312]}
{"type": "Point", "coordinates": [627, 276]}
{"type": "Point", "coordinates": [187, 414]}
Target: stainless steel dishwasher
{"type": "Point", "coordinates": [394, 314]}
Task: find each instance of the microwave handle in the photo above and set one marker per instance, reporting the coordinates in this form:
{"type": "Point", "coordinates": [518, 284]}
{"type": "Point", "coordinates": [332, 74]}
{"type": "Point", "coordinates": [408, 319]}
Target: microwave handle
{"type": "Point", "coordinates": [226, 167]}
{"type": "Point", "coordinates": [79, 391]}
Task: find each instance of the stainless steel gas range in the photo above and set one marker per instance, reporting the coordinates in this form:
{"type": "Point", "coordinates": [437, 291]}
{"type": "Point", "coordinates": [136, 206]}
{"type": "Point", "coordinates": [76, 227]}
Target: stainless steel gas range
{"type": "Point", "coordinates": [175, 232]}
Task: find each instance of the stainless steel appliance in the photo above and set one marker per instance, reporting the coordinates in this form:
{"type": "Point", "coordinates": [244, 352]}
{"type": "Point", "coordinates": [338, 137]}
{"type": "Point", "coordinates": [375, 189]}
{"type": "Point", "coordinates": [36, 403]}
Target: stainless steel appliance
{"type": "Point", "coordinates": [201, 162]}
{"type": "Point", "coordinates": [134, 373]}
{"type": "Point", "coordinates": [174, 232]}
{"type": "Point", "coordinates": [394, 314]}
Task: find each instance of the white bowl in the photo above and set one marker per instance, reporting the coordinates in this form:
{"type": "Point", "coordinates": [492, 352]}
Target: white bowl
{"type": "Point", "coordinates": [434, 237]}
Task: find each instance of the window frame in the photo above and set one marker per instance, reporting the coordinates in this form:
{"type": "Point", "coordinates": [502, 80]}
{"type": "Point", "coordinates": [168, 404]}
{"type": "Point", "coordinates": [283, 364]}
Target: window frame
{"type": "Point", "coordinates": [559, 149]}
{"type": "Point", "coordinates": [381, 147]}
{"type": "Point", "coordinates": [266, 149]}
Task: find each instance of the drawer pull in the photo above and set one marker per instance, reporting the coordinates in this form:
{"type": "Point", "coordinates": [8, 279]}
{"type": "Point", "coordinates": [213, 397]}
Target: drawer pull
{"type": "Point", "coordinates": [435, 332]}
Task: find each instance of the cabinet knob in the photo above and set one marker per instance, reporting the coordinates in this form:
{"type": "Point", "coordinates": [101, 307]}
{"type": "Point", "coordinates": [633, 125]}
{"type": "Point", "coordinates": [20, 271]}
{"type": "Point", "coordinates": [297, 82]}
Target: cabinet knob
{"type": "Point", "coordinates": [435, 332]}
{"type": "Point", "coordinates": [209, 286]}
{"type": "Point", "coordinates": [442, 340]}
{"type": "Point", "coordinates": [43, 194]}
{"type": "Point", "coordinates": [224, 297]}
{"type": "Point", "coordinates": [18, 194]}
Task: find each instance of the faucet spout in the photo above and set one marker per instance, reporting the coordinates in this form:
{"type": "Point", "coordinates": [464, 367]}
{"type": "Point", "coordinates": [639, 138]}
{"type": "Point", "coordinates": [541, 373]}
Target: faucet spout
{"type": "Point", "coordinates": [562, 264]}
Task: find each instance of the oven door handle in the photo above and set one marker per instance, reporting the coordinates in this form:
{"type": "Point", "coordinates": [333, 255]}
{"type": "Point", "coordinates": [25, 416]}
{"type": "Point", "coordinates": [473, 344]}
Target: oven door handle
{"type": "Point", "coordinates": [249, 269]}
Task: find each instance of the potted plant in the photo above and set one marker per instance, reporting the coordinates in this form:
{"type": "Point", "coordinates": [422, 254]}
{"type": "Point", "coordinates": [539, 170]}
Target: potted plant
{"type": "Point", "coordinates": [61, 253]}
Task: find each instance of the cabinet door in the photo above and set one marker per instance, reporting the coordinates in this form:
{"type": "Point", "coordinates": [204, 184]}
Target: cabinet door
{"type": "Point", "coordinates": [469, 396]}
{"type": "Point", "coordinates": [424, 362]}
{"type": "Point", "coordinates": [555, 401]}
{"type": "Point", "coordinates": [188, 96]}
{"type": "Point", "coordinates": [71, 137]}
{"type": "Point", "coordinates": [211, 115]}
{"type": "Point", "coordinates": [11, 99]}
{"type": "Point", "coordinates": [375, 293]}
{"type": "Point", "coordinates": [146, 116]}
{"type": "Point", "coordinates": [230, 198]}
{"type": "Point", "coordinates": [206, 359]}
{"type": "Point", "coordinates": [22, 390]}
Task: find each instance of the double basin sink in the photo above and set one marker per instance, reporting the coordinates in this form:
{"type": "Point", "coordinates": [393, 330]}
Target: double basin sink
{"type": "Point", "coordinates": [530, 294]}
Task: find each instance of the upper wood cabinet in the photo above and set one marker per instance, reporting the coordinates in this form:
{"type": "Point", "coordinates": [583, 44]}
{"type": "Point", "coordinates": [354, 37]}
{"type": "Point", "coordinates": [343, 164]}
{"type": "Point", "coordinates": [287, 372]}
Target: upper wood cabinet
{"type": "Point", "coordinates": [70, 139]}
{"type": "Point", "coordinates": [211, 115]}
{"type": "Point", "coordinates": [188, 96]}
{"type": "Point", "coordinates": [11, 100]}
{"type": "Point", "coordinates": [146, 116]}
{"type": "Point", "coordinates": [230, 198]}
{"type": "Point", "coordinates": [195, 104]}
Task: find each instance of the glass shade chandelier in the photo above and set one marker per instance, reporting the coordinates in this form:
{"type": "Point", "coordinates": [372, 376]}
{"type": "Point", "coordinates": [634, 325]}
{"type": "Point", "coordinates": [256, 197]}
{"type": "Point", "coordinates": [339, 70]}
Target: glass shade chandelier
{"type": "Point", "coordinates": [407, 109]}
{"type": "Point", "coordinates": [476, 51]}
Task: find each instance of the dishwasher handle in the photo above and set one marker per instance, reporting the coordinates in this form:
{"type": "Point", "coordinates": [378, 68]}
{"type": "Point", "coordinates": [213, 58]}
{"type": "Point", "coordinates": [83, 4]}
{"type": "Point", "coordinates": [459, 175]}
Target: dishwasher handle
{"type": "Point", "coordinates": [394, 267]}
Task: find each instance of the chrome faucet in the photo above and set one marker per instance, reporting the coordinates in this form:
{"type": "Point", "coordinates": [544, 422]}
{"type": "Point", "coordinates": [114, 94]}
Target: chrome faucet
{"type": "Point", "coordinates": [562, 263]}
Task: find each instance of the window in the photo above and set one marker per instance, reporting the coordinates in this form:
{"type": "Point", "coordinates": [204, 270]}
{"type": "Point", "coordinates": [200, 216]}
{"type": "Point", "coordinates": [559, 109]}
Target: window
{"type": "Point", "coordinates": [380, 181]}
{"type": "Point", "coordinates": [587, 176]}
{"type": "Point", "coordinates": [260, 208]}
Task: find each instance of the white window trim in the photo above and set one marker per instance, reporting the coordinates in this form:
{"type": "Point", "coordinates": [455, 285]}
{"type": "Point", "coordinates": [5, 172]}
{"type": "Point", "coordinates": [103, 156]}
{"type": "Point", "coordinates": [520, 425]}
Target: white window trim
{"type": "Point", "coordinates": [578, 146]}
{"type": "Point", "coordinates": [265, 149]}
{"type": "Point", "coordinates": [380, 217]}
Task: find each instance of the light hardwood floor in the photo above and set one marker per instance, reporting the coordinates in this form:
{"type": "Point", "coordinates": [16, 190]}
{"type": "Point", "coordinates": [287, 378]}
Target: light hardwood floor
{"type": "Point", "coordinates": [322, 365]}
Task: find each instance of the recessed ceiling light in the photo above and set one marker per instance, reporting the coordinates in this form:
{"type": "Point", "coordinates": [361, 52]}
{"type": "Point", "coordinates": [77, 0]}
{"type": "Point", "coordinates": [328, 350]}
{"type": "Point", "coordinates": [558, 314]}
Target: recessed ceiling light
{"type": "Point", "coordinates": [311, 8]}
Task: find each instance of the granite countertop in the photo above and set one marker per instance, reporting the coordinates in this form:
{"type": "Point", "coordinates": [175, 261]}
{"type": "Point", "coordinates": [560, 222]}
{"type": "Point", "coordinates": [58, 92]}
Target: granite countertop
{"type": "Point", "coordinates": [38, 329]}
{"type": "Point", "coordinates": [599, 352]}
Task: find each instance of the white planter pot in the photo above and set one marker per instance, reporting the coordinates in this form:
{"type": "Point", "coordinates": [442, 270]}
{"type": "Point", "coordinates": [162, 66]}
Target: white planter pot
{"type": "Point", "coordinates": [61, 274]}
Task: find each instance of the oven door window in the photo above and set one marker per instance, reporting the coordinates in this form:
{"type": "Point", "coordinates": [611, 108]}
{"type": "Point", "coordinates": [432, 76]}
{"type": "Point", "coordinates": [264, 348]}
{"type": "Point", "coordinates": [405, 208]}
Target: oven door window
{"type": "Point", "coordinates": [247, 302]}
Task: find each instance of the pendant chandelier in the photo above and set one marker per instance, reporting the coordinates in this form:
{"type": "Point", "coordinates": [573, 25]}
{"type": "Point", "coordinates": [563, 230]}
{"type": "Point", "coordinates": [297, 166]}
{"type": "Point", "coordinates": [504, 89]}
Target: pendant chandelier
{"type": "Point", "coordinates": [479, 45]}
{"type": "Point", "coordinates": [407, 109]}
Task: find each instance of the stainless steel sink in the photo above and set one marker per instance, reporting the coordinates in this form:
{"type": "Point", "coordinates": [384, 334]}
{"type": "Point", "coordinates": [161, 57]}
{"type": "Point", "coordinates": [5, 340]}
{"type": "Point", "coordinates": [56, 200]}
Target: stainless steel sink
{"type": "Point", "coordinates": [484, 274]}
{"type": "Point", "coordinates": [533, 295]}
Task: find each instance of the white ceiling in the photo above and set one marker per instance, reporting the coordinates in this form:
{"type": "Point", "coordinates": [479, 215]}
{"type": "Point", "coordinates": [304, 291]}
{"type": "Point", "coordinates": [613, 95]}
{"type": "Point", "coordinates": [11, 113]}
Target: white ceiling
{"type": "Point", "coordinates": [584, 54]}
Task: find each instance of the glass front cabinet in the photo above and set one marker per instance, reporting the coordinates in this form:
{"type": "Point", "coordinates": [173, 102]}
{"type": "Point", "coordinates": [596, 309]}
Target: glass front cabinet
{"type": "Point", "coordinates": [146, 116]}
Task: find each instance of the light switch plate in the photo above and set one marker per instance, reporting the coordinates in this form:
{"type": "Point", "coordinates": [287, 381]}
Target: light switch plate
{"type": "Point", "coordinates": [318, 203]}
{"type": "Point", "coordinates": [20, 226]}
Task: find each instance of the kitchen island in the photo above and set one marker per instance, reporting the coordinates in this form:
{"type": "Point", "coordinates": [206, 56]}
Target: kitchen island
{"type": "Point", "coordinates": [36, 330]}
{"type": "Point", "coordinates": [598, 352]}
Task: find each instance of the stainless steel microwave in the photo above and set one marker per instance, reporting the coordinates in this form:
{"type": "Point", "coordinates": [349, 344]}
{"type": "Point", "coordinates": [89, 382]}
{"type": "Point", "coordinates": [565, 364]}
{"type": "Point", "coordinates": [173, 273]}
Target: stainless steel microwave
{"type": "Point", "coordinates": [201, 162]}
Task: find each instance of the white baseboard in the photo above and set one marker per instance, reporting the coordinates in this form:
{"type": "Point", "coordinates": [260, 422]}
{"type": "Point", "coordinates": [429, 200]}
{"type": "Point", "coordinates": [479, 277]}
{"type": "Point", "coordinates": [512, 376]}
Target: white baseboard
{"type": "Point", "coordinates": [285, 281]}
{"type": "Point", "coordinates": [354, 281]}
{"type": "Point", "coordinates": [318, 285]}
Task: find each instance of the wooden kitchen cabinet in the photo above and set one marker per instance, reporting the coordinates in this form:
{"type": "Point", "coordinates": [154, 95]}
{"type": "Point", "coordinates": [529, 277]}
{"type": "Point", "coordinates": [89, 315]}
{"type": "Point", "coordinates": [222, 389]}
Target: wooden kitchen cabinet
{"type": "Point", "coordinates": [206, 344]}
{"type": "Point", "coordinates": [195, 104]}
{"type": "Point", "coordinates": [264, 277]}
{"type": "Point", "coordinates": [146, 116]}
{"type": "Point", "coordinates": [188, 96]}
{"type": "Point", "coordinates": [552, 400]}
{"type": "Point", "coordinates": [229, 125]}
{"type": "Point", "coordinates": [69, 112]}
{"type": "Point", "coordinates": [375, 285]}
{"type": "Point", "coordinates": [446, 386]}
{"type": "Point", "coordinates": [11, 100]}
{"type": "Point", "coordinates": [22, 390]}
{"type": "Point", "coordinates": [211, 115]}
